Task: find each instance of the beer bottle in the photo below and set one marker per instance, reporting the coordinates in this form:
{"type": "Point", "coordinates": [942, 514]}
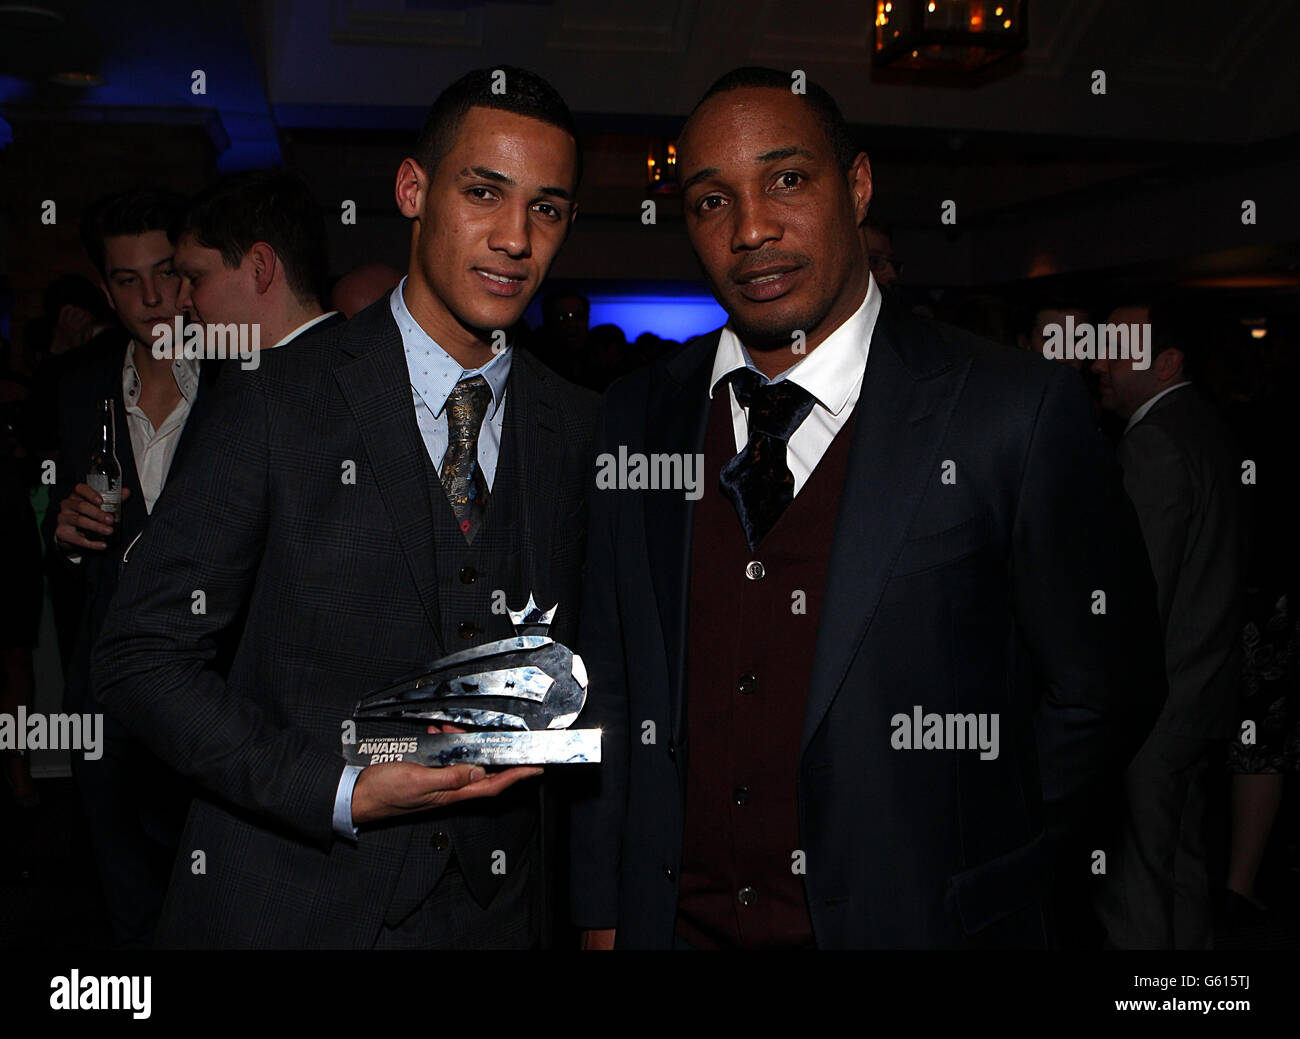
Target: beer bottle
{"type": "Point", "coordinates": [105, 474]}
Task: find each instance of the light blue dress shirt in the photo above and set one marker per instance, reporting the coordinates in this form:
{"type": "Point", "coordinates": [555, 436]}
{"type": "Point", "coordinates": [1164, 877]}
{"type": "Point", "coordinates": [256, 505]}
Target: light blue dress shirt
{"type": "Point", "coordinates": [433, 372]}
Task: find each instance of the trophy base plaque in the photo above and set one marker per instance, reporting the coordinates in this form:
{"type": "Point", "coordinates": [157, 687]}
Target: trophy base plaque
{"type": "Point", "coordinates": [541, 747]}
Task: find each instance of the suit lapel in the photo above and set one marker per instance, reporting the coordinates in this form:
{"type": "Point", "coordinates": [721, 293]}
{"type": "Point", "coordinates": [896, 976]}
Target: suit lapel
{"type": "Point", "coordinates": [532, 452]}
{"type": "Point", "coordinates": [677, 414]}
{"type": "Point", "coordinates": [908, 394]}
{"type": "Point", "coordinates": [376, 385]}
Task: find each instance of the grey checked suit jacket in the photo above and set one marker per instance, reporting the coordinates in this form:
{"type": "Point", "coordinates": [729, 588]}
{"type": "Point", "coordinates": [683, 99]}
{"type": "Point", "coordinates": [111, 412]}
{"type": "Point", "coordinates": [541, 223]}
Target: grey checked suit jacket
{"type": "Point", "coordinates": [340, 585]}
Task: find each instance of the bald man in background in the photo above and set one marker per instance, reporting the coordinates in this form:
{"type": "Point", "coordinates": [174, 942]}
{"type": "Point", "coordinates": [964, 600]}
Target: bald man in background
{"type": "Point", "coordinates": [363, 286]}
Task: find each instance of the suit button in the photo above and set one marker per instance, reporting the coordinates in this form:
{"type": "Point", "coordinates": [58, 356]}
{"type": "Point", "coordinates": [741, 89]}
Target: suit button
{"type": "Point", "coordinates": [755, 570]}
{"type": "Point", "coordinates": [746, 684]}
{"type": "Point", "coordinates": [668, 872]}
{"type": "Point", "coordinates": [440, 841]}
{"type": "Point", "coordinates": [466, 629]}
{"type": "Point", "coordinates": [672, 752]}
{"type": "Point", "coordinates": [468, 575]}
{"type": "Point", "coordinates": [741, 796]}
{"type": "Point", "coordinates": [747, 896]}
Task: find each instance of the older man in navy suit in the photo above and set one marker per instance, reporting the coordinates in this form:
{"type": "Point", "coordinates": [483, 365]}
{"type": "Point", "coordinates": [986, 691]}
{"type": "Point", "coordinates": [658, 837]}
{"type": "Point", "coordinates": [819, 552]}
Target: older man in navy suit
{"type": "Point", "coordinates": [856, 693]}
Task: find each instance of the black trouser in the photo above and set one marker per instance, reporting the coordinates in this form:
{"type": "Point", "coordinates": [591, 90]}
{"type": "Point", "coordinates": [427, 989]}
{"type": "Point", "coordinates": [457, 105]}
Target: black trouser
{"type": "Point", "coordinates": [1157, 893]}
{"type": "Point", "coordinates": [135, 808]}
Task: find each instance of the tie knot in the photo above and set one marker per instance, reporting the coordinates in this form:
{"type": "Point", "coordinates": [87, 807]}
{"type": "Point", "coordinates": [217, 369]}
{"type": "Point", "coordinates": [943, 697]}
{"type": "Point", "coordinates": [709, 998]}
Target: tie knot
{"type": "Point", "coordinates": [466, 405]}
{"type": "Point", "coordinates": [776, 409]}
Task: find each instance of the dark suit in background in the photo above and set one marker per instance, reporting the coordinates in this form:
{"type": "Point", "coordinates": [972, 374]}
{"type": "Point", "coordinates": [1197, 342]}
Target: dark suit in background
{"type": "Point", "coordinates": [135, 805]}
{"type": "Point", "coordinates": [947, 595]}
{"type": "Point", "coordinates": [348, 583]}
{"type": "Point", "coordinates": [79, 401]}
{"type": "Point", "coordinates": [1184, 478]}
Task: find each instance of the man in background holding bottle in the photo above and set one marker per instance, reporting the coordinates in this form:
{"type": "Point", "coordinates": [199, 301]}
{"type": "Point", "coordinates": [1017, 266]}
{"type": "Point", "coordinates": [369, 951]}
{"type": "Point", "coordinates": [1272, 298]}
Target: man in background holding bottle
{"type": "Point", "coordinates": [127, 411]}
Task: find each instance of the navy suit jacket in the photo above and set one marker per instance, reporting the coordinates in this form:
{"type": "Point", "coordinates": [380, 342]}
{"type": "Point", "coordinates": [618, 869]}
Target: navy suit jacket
{"type": "Point", "coordinates": [975, 594]}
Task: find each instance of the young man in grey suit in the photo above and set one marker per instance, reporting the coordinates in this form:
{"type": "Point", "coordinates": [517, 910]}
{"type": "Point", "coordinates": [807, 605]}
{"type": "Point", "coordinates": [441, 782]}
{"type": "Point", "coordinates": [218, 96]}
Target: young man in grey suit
{"type": "Point", "coordinates": [1185, 480]}
{"type": "Point", "coordinates": [856, 682]}
{"type": "Point", "coordinates": [368, 495]}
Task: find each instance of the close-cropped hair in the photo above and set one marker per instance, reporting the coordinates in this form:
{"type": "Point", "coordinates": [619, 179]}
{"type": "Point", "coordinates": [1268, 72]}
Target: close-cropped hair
{"type": "Point", "coordinates": [815, 96]}
{"type": "Point", "coordinates": [271, 206]}
{"type": "Point", "coordinates": [525, 93]}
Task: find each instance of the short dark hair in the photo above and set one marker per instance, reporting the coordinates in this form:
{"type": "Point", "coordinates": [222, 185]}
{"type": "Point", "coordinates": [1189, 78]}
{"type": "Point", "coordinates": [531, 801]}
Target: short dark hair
{"type": "Point", "coordinates": [73, 290]}
{"type": "Point", "coordinates": [1061, 301]}
{"type": "Point", "coordinates": [815, 96]}
{"type": "Point", "coordinates": [526, 93]}
{"type": "Point", "coordinates": [135, 211]}
{"type": "Point", "coordinates": [1176, 323]}
{"type": "Point", "coordinates": [272, 206]}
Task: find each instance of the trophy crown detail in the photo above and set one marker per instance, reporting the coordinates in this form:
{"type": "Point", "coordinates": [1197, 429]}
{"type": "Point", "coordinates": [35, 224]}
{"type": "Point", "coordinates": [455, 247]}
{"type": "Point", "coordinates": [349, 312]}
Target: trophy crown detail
{"type": "Point", "coordinates": [532, 619]}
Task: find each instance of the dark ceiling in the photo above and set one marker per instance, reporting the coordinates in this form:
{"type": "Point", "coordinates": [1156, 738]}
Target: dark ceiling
{"type": "Point", "coordinates": [1200, 110]}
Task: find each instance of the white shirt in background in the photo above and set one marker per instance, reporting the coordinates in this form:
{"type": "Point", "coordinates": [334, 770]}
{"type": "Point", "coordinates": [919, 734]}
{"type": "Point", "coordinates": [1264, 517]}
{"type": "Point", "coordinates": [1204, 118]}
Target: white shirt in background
{"type": "Point", "coordinates": [153, 448]}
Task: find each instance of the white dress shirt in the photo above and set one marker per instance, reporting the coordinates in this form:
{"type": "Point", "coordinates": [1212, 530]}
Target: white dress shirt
{"type": "Point", "coordinates": [301, 329]}
{"type": "Point", "coordinates": [832, 372]}
{"type": "Point", "coordinates": [1141, 412]}
{"type": "Point", "coordinates": [153, 448]}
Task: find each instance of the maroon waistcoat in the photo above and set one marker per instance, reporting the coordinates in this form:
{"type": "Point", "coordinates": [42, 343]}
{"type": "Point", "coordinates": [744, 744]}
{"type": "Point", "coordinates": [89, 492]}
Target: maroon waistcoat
{"type": "Point", "coordinates": [750, 649]}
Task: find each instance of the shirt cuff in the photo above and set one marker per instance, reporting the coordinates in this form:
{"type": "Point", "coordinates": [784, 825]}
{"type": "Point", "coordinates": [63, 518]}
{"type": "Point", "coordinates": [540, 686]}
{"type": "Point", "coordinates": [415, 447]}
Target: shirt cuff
{"type": "Point", "coordinates": [69, 552]}
{"type": "Point", "coordinates": [343, 803]}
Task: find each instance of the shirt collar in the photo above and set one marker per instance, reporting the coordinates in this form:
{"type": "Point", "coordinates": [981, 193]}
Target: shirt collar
{"type": "Point", "coordinates": [830, 371]}
{"type": "Point", "coordinates": [184, 370]}
{"type": "Point", "coordinates": [1141, 412]}
{"type": "Point", "coordinates": [301, 329]}
{"type": "Point", "coordinates": [433, 371]}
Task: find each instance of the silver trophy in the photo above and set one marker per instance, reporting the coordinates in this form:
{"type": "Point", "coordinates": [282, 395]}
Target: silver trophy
{"type": "Point", "coordinates": [516, 696]}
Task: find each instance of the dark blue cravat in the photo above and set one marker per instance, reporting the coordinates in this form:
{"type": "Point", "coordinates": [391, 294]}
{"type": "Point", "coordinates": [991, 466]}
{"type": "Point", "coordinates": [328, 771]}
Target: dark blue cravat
{"type": "Point", "coordinates": [758, 481]}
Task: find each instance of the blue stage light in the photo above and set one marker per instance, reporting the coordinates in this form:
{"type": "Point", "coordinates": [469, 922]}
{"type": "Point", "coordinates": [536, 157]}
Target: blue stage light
{"type": "Point", "coordinates": [676, 317]}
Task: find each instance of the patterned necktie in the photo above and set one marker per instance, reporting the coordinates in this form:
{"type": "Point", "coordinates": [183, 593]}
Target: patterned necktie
{"type": "Point", "coordinates": [462, 477]}
{"type": "Point", "coordinates": [758, 481]}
